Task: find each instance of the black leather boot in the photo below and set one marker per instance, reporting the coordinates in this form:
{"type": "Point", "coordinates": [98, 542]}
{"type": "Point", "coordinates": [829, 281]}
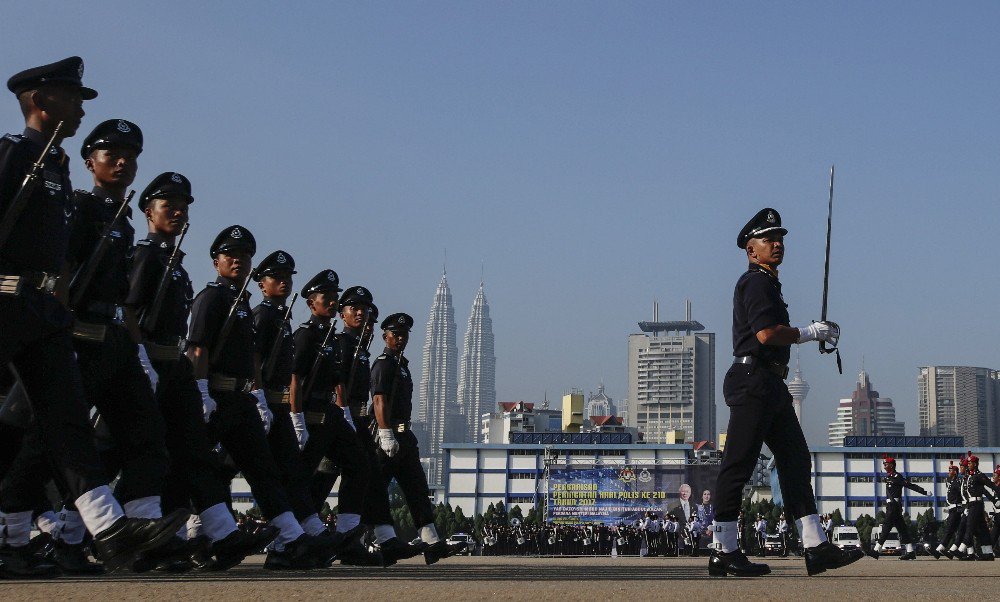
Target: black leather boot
{"type": "Point", "coordinates": [828, 556]}
{"type": "Point", "coordinates": [442, 549]}
{"type": "Point", "coordinates": [233, 548]}
{"type": "Point", "coordinates": [735, 563]}
{"type": "Point", "coordinates": [122, 542]}
{"type": "Point", "coordinates": [72, 559]}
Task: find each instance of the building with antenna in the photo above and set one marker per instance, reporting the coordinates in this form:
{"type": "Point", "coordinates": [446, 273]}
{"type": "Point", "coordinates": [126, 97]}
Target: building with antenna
{"type": "Point", "coordinates": [440, 415]}
{"type": "Point", "coordinates": [671, 379]}
{"type": "Point", "coordinates": [477, 375]}
{"type": "Point", "coordinates": [798, 388]}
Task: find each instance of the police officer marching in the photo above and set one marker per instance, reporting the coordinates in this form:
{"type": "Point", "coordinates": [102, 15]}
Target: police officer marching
{"type": "Point", "coordinates": [358, 311]}
{"type": "Point", "coordinates": [35, 328]}
{"type": "Point", "coordinates": [160, 296]}
{"type": "Point", "coordinates": [761, 407]}
{"type": "Point", "coordinates": [287, 433]}
{"type": "Point", "coordinates": [399, 456]}
{"type": "Point", "coordinates": [974, 487]}
{"type": "Point", "coordinates": [894, 484]}
{"type": "Point", "coordinates": [220, 345]}
{"type": "Point", "coordinates": [330, 435]}
{"type": "Point", "coordinates": [954, 509]}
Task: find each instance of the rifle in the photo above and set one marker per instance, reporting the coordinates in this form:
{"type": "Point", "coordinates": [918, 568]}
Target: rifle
{"type": "Point", "coordinates": [357, 352]}
{"type": "Point", "coordinates": [272, 358]}
{"type": "Point", "coordinates": [151, 316]}
{"type": "Point", "coordinates": [321, 356]}
{"type": "Point", "coordinates": [227, 326]}
{"type": "Point", "coordinates": [20, 200]}
{"type": "Point", "coordinates": [826, 279]}
{"type": "Point", "coordinates": [85, 274]}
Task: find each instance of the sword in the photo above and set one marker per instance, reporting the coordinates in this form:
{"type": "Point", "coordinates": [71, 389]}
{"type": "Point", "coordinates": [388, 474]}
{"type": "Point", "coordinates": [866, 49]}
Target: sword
{"type": "Point", "coordinates": [826, 280]}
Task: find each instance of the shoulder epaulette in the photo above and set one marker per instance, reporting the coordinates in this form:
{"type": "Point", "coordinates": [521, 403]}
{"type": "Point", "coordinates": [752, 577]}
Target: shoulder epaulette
{"type": "Point", "coordinates": [15, 138]}
{"type": "Point", "coordinates": [215, 285]}
{"type": "Point", "coordinates": [382, 357]}
{"type": "Point", "coordinates": [145, 242]}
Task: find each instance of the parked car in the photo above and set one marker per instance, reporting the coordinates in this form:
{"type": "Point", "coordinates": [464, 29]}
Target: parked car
{"type": "Point", "coordinates": [846, 538]}
{"type": "Point", "coordinates": [468, 540]}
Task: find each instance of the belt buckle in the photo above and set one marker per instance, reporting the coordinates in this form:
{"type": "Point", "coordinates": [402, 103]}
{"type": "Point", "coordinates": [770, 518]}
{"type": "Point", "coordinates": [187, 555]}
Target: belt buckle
{"type": "Point", "coordinates": [247, 386]}
{"type": "Point", "coordinates": [48, 283]}
{"type": "Point", "coordinates": [401, 428]}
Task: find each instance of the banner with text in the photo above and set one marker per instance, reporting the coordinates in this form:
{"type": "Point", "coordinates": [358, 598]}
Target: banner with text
{"type": "Point", "coordinates": [615, 495]}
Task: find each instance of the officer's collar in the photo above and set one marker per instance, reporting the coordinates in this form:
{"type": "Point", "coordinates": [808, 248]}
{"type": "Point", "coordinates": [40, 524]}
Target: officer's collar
{"type": "Point", "coordinates": [389, 353]}
{"type": "Point", "coordinates": [773, 273]}
{"type": "Point", "coordinates": [161, 241]}
{"type": "Point", "coordinates": [41, 140]}
{"type": "Point", "coordinates": [276, 302]}
{"type": "Point", "coordinates": [354, 332]}
{"type": "Point", "coordinates": [227, 282]}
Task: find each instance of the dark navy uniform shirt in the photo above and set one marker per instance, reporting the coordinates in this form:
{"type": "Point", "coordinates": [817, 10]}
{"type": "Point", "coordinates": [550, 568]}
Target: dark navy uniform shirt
{"type": "Point", "coordinates": [269, 322]}
{"type": "Point", "coordinates": [955, 490]}
{"type": "Point", "coordinates": [894, 484]}
{"type": "Point", "coordinates": [758, 304]}
{"type": "Point", "coordinates": [92, 211]}
{"type": "Point", "coordinates": [148, 264]}
{"type": "Point", "coordinates": [347, 345]}
{"type": "Point", "coordinates": [208, 314]}
{"type": "Point", "coordinates": [391, 377]}
{"type": "Point", "coordinates": [307, 341]}
{"type": "Point", "coordinates": [39, 239]}
{"type": "Point", "coordinates": [975, 484]}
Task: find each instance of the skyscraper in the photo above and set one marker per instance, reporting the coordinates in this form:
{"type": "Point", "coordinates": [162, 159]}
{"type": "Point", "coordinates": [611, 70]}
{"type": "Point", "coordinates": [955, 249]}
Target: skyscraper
{"type": "Point", "coordinates": [864, 414]}
{"type": "Point", "coordinates": [671, 379]}
{"type": "Point", "coordinates": [960, 400]}
{"type": "Point", "coordinates": [439, 408]}
{"type": "Point", "coordinates": [477, 391]}
{"type": "Point", "coordinates": [798, 388]}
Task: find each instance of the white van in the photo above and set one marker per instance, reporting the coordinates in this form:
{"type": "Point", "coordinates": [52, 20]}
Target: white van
{"type": "Point", "coordinates": [846, 538]}
{"type": "Point", "coordinates": [892, 545]}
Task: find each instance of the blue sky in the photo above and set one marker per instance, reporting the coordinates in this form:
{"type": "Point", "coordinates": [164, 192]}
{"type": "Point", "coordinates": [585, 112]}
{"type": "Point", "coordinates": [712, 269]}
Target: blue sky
{"type": "Point", "coordinates": [593, 155]}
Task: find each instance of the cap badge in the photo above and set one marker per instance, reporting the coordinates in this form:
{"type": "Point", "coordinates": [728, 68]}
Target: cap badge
{"type": "Point", "coordinates": [176, 178]}
{"type": "Point", "coordinates": [80, 70]}
{"type": "Point", "coordinates": [360, 291]}
{"type": "Point", "coordinates": [401, 320]}
{"type": "Point", "coordinates": [331, 277]}
{"type": "Point", "coordinates": [770, 217]}
{"type": "Point", "coordinates": [123, 127]}
{"type": "Point", "coordinates": [280, 258]}
{"type": "Point", "coordinates": [236, 233]}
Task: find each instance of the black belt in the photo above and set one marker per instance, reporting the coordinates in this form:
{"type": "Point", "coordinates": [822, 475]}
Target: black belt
{"type": "Point", "coordinates": [163, 353]}
{"type": "Point", "coordinates": [17, 284]}
{"type": "Point", "coordinates": [104, 309]}
{"type": "Point", "coordinates": [315, 417]}
{"type": "Point", "coordinates": [773, 367]}
{"type": "Point", "coordinates": [275, 397]}
{"type": "Point", "coordinates": [221, 382]}
{"type": "Point", "coordinates": [93, 333]}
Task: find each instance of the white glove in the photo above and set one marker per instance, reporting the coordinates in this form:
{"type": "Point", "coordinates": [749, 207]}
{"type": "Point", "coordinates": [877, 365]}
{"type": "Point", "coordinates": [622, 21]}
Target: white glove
{"type": "Point", "coordinates": [820, 331]}
{"type": "Point", "coordinates": [265, 412]}
{"type": "Point", "coordinates": [387, 441]}
{"type": "Point", "coordinates": [208, 404]}
{"type": "Point", "coordinates": [147, 366]}
{"type": "Point", "coordinates": [301, 432]}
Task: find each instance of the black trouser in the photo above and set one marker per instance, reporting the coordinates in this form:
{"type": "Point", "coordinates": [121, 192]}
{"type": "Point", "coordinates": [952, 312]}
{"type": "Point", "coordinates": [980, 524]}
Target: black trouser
{"type": "Point", "coordinates": [951, 527]}
{"type": "Point", "coordinates": [377, 510]}
{"type": "Point", "coordinates": [237, 425]}
{"type": "Point", "coordinates": [118, 387]}
{"type": "Point", "coordinates": [23, 487]}
{"type": "Point", "coordinates": [995, 533]}
{"type": "Point", "coordinates": [35, 339]}
{"type": "Point", "coordinates": [405, 467]}
{"type": "Point", "coordinates": [335, 439]}
{"type": "Point", "coordinates": [963, 524]}
{"type": "Point", "coordinates": [894, 518]}
{"type": "Point", "coordinates": [760, 411]}
{"type": "Point", "coordinates": [193, 474]}
{"type": "Point", "coordinates": [285, 450]}
{"type": "Point", "coordinates": [976, 529]}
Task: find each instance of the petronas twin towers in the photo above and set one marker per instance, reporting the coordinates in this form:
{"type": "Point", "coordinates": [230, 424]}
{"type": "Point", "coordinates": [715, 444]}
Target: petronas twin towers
{"type": "Point", "coordinates": [453, 394]}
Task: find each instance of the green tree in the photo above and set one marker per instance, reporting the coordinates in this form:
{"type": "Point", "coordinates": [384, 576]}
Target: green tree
{"type": "Point", "coordinates": [515, 512]}
{"type": "Point", "coordinates": [864, 525]}
{"type": "Point", "coordinates": [837, 518]}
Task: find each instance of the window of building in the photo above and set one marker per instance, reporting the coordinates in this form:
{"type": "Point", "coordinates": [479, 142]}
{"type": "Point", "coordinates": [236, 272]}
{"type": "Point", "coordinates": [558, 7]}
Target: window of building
{"type": "Point", "coordinates": [523, 475]}
{"type": "Point", "coordinates": [856, 479]}
{"type": "Point", "coordinates": [860, 504]}
{"type": "Point", "coordinates": [520, 500]}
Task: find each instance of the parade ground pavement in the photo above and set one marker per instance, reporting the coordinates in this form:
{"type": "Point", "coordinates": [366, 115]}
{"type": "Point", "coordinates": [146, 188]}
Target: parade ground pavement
{"type": "Point", "coordinates": [596, 579]}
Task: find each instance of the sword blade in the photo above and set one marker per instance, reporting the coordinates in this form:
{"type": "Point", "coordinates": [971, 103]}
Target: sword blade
{"type": "Point", "coordinates": [826, 267]}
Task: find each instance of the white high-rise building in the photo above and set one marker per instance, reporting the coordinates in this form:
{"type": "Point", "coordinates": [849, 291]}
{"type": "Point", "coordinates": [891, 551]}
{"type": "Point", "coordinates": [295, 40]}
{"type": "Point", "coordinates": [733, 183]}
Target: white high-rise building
{"type": "Point", "coordinates": [798, 388]}
{"type": "Point", "coordinates": [439, 409]}
{"type": "Point", "coordinates": [477, 377]}
{"type": "Point", "coordinates": [671, 379]}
